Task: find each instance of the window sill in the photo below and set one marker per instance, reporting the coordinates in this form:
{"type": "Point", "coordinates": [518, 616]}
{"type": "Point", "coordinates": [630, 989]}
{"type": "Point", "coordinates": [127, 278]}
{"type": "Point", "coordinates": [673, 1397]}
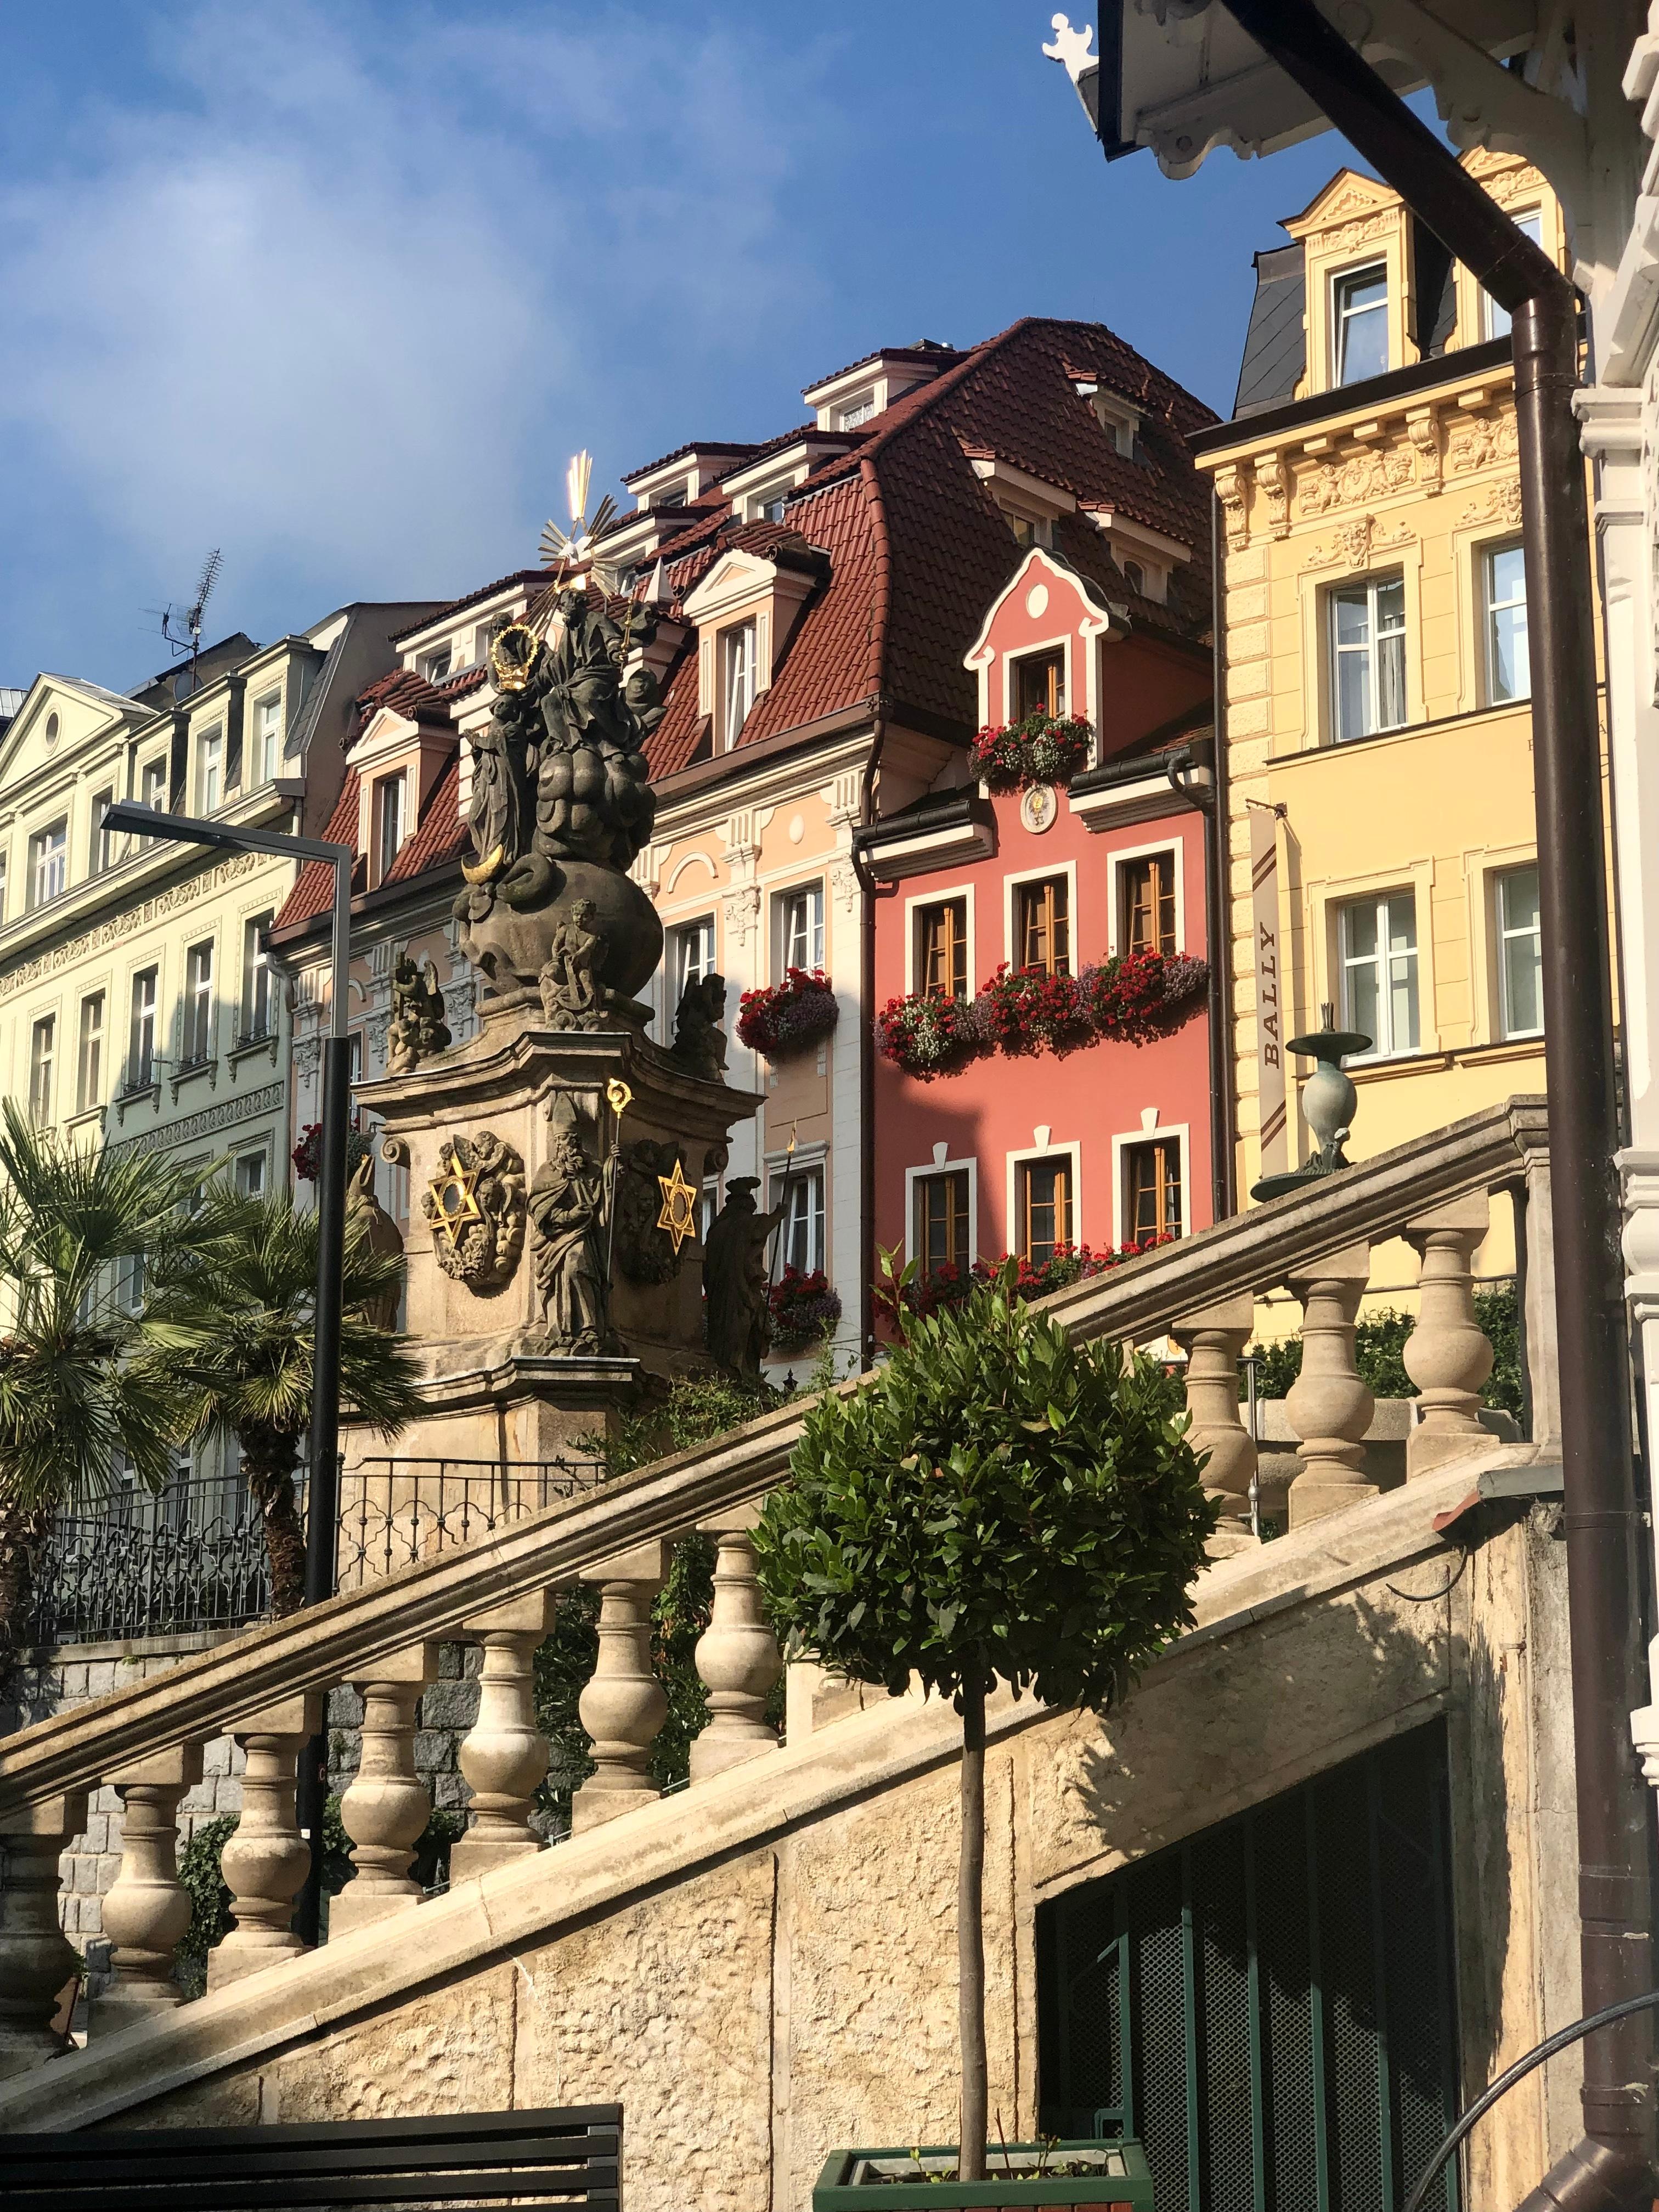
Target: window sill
{"type": "Point", "coordinates": [189, 1070]}
{"type": "Point", "coordinates": [251, 1047]}
{"type": "Point", "coordinates": [89, 1117]}
{"type": "Point", "coordinates": [125, 1100]}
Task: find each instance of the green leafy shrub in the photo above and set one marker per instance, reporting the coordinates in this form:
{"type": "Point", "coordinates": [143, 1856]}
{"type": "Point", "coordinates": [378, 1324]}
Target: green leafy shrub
{"type": "Point", "coordinates": [994, 1502]}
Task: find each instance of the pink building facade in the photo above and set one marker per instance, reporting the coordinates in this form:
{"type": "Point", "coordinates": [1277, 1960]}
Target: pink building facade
{"type": "Point", "coordinates": [1109, 1143]}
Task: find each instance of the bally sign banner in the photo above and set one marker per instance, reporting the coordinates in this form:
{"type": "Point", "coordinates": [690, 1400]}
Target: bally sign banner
{"type": "Point", "coordinates": [1269, 1010]}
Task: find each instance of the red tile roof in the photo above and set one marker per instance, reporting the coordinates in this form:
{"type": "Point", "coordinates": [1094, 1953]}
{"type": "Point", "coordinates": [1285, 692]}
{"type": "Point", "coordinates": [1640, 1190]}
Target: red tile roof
{"type": "Point", "coordinates": [439, 837]}
{"type": "Point", "coordinates": [313, 893]}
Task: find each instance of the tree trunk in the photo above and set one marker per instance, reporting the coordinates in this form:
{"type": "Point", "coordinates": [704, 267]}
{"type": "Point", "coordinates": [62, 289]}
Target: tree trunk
{"type": "Point", "coordinates": [20, 1536]}
{"type": "Point", "coordinates": [970, 1936]}
{"type": "Point", "coordinates": [269, 1457]}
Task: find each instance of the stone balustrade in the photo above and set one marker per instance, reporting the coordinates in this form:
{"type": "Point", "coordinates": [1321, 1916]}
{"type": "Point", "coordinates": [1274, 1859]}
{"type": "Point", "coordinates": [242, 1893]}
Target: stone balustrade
{"type": "Point", "coordinates": [499, 1597]}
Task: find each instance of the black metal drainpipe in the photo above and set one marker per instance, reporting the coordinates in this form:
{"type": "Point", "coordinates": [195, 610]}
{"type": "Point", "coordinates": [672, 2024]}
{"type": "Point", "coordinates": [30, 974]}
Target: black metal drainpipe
{"type": "Point", "coordinates": [1609, 2168]}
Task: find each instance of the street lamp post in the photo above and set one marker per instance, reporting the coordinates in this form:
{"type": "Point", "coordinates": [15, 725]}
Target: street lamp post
{"type": "Point", "coordinates": [323, 1505]}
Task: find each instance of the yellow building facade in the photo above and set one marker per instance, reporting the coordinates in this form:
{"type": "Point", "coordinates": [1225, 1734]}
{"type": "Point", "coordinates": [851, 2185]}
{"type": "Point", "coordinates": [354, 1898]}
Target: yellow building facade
{"type": "Point", "coordinates": [1377, 725]}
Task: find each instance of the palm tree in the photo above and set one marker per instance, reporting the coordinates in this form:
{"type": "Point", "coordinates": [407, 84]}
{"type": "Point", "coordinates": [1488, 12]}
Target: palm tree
{"type": "Point", "coordinates": [231, 1321]}
{"type": "Point", "coordinates": [79, 1405]}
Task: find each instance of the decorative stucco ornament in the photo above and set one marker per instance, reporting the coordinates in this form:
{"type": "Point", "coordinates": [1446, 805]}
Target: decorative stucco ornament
{"type": "Point", "coordinates": [649, 1235]}
{"type": "Point", "coordinates": [475, 1204]}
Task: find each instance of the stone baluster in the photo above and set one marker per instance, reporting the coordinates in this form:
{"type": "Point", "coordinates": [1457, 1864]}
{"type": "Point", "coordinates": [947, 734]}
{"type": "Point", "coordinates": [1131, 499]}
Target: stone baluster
{"type": "Point", "coordinates": [1213, 1340]}
{"type": "Point", "coordinates": [266, 1862]}
{"type": "Point", "coordinates": [624, 1706]}
{"type": "Point", "coordinates": [37, 1961]}
{"type": "Point", "coordinates": [386, 1807]}
{"type": "Point", "coordinates": [504, 1756]}
{"type": "Point", "coordinates": [737, 1656]}
{"type": "Point", "coordinates": [146, 1911]}
{"type": "Point", "coordinates": [1328, 1408]}
{"type": "Point", "coordinates": [1447, 1354]}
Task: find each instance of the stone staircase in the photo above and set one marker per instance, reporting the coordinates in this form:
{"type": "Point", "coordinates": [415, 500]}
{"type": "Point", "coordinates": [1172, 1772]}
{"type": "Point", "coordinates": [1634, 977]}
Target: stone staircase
{"type": "Point", "coordinates": [763, 1965]}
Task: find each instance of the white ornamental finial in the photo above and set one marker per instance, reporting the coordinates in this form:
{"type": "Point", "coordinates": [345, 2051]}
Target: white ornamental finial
{"type": "Point", "coordinates": [1071, 47]}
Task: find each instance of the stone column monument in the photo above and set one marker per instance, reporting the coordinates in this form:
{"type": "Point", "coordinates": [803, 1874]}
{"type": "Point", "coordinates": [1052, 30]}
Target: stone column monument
{"type": "Point", "coordinates": [556, 1160]}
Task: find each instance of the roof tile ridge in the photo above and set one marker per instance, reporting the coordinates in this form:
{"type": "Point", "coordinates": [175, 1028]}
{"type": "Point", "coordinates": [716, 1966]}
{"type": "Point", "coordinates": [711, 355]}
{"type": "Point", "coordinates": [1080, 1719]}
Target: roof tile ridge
{"type": "Point", "coordinates": [937, 386]}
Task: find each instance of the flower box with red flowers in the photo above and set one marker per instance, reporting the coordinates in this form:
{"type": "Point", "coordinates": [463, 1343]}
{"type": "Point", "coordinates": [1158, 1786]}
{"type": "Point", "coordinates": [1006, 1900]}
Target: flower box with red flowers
{"type": "Point", "coordinates": [804, 1309]}
{"type": "Point", "coordinates": [1041, 748]}
{"type": "Point", "coordinates": [908, 1292]}
{"type": "Point", "coordinates": [787, 1016]}
{"type": "Point", "coordinates": [308, 1154]}
{"type": "Point", "coordinates": [928, 1034]}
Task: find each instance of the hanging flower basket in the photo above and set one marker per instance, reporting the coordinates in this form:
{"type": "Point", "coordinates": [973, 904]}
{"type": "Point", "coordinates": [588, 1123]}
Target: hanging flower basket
{"type": "Point", "coordinates": [308, 1154]}
{"type": "Point", "coordinates": [1042, 749]}
{"type": "Point", "coordinates": [789, 1016]}
{"type": "Point", "coordinates": [804, 1309]}
{"type": "Point", "coordinates": [925, 1035]}
{"type": "Point", "coordinates": [1023, 1011]}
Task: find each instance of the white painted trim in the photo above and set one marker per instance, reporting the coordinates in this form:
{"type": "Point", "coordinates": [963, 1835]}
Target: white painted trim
{"type": "Point", "coordinates": [690, 860]}
{"type": "Point", "coordinates": [938, 897]}
{"type": "Point", "coordinates": [1120, 1142]}
{"type": "Point", "coordinates": [1074, 1152]}
{"type": "Point", "coordinates": [1171, 843]}
{"type": "Point", "coordinates": [947, 1166]}
{"type": "Point", "coordinates": [1067, 868]}
{"type": "Point", "coordinates": [1038, 648]}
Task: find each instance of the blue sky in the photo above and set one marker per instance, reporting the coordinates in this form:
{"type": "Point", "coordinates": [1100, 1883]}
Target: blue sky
{"type": "Point", "coordinates": [339, 288]}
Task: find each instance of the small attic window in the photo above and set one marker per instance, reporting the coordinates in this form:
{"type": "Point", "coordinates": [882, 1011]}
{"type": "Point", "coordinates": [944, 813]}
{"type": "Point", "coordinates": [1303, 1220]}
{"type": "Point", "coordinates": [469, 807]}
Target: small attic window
{"type": "Point", "coordinates": [1116, 417]}
{"type": "Point", "coordinates": [434, 665]}
{"type": "Point", "coordinates": [1135, 577]}
{"type": "Point", "coordinates": [857, 411]}
{"type": "Point", "coordinates": [1028, 529]}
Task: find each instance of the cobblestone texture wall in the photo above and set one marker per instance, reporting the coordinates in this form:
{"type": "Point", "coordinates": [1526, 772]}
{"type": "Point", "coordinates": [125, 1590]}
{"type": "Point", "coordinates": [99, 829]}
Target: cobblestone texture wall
{"type": "Point", "coordinates": [49, 1682]}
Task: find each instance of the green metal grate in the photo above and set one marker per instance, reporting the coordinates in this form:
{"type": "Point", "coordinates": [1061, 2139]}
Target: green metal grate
{"type": "Point", "coordinates": [1269, 2006]}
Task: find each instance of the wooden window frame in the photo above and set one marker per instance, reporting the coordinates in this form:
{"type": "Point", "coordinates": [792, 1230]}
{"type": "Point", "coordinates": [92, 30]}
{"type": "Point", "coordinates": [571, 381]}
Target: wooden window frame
{"type": "Point", "coordinates": [941, 1163]}
{"type": "Point", "coordinates": [1057, 922]}
{"type": "Point", "coordinates": [1146, 856]}
{"type": "Point", "coordinates": [1059, 1156]}
{"type": "Point", "coordinates": [953, 948]}
{"type": "Point", "coordinates": [959, 1232]}
{"type": "Point", "coordinates": [1163, 1143]}
{"type": "Point", "coordinates": [1178, 1134]}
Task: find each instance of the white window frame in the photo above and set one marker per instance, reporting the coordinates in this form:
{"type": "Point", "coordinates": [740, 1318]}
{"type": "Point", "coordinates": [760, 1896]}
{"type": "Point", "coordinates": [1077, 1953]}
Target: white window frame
{"type": "Point", "coordinates": [427, 664]}
{"type": "Point", "coordinates": [102, 842]}
{"type": "Point", "coordinates": [1495, 321]}
{"type": "Point", "coordinates": [1502, 936]}
{"type": "Point", "coordinates": [1010, 887]}
{"type": "Point", "coordinates": [739, 668]}
{"type": "Point", "coordinates": [1341, 317]}
{"type": "Point", "coordinates": [807, 1168]}
{"type": "Point", "coordinates": [1374, 641]}
{"type": "Point", "coordinates": [1490, 609]}
{"type": "Point", "coordinates": [1039, 649]}
{"type": "Point", "coordinates": [1123, 1142]}
{"type": "Point", "coordinates": [853, 413]}
{"type": "Point", "coordinates": [153, 784]}
{"type": "Point", "coordinates": [256, 1156]}
{"type": "Point", "coordinates": [48, 863]}
{"type": "Point", "coordinates": [210, 770]}
{"type": "Point", "coordinates": [1010, 1197]}
{"type": "Point", "coordinates": [680, 970]}
{"type": "Point", "coordinates": [1177, 845]}
{"type": "Point", "coordinates": [195, 1045]}
{"type": "Point", "coordinates": [938, 1166]}
{"type": "Point", "coordinates": [913, 907]}
{"type": "Point", "coordinates": [388, 789]}
{"type": "Point", "coordinates": [267, 735]}
{"type": "Point", "coordinates": [781, 902]}
{"type": "Point", "coordinates": [43, 1064]}
{"type": "Point", "coordinates": [258, 980]}
{"type": "Point", "coordinates": [141, 1021]}
{"type": "Point", "coordinates": [90, 1052]}
{"type": "Point", "coordinates": [1382, 1047]}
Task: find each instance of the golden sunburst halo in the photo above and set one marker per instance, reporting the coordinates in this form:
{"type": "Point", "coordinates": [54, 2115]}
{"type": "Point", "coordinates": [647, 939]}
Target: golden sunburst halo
{"type": "Point", "coordinates": [679, 1207]}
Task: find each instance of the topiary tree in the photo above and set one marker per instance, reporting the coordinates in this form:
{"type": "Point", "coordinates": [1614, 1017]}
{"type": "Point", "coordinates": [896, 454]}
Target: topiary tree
{"type": "Point", "coordinates": [993, 1502]}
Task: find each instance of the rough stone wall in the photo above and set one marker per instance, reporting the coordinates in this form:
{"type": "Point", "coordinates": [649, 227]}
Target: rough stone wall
{"type": "Point", "coordinates": [771, 2004]}
{"type": "Point", "coordinates": [47, 1682]}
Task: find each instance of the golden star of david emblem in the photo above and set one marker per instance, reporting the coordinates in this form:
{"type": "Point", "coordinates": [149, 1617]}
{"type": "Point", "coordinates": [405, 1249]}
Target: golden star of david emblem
{"type": "Point", "coordinates": [455, 1203]}
{"type": "Point", "coordinates": [679, 1207]}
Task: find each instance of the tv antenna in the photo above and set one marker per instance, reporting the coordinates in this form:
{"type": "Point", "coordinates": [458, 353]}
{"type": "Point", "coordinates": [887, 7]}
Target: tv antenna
{"type": "Point", "coordinates": [182, 626]}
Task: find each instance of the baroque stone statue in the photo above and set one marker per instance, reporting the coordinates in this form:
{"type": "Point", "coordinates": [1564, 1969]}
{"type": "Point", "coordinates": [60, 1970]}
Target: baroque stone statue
{"type": "Point", "coordinates": [571, 1203]}
{"type": "Point", "coordinates": [416, 1029]}
{"type": "Point", "coordinates": [571, 992]}
{"type": "Point", "coordinates": [475, 1205]}
{"type": "Point", "coordinates": [699, 1040]}
{"type": "Point", "coordinates": [561, 799]}
{"type": "Point", "coordinates": [646, 1253]}
{"type": "Point", "coordinates": [735, 1280]}
{"type": "Point", "coordinates": [367, 1217]}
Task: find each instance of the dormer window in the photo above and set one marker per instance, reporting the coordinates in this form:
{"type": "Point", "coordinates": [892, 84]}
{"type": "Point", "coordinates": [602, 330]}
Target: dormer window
{"type": "Point", "coordinates": [1359, 323]}
{"type": "Point", "coordinates": [855, 411]}
{"type": "Point", "coordinates": [1494, 319]}
{"type": "Point", "coordinates": [1039, 684]}
{"type": "Point", "coordinates": [771, 510]}
{"type": "Point", "coordinates": [1135, 577]}
{"type": "Point", "coordinates": [675, 496]}
{"type": "Point", "coordinates": [737, 665]}
{"type": "Point", "coordinates": [1119, 420]}
{"type": "Point", "coordinates": [436, 665]}
{"type": "Point", "coordinates": [210, 789]}
{"type": "Point", "coordinates": [1028, 529]}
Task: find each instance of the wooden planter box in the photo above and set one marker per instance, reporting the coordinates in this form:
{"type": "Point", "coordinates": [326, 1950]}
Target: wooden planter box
{"type": "Point", "coordinates": [859, 2180]}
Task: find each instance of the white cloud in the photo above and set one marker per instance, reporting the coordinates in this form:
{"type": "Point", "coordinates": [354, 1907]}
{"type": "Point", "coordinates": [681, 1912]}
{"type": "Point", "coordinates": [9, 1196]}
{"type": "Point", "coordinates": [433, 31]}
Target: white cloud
{"type": "Point", "coordinates": [346, 301]}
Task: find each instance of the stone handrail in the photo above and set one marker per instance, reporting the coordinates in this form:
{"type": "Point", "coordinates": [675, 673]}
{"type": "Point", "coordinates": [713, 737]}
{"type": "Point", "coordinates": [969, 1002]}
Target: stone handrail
{"type": "Point", "coordinates": [344, 1640]}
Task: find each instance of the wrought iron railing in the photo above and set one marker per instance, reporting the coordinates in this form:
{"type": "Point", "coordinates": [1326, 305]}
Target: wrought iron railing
{"type": "Point", "coordinates": [193, 1557]}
